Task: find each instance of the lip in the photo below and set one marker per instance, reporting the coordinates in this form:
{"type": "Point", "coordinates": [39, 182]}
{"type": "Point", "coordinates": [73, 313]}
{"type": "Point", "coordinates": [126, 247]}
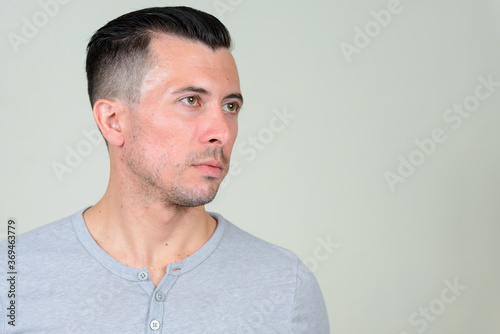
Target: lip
{"type": "Point", "coordinates": [210, 168]}
{"type": "Point", "coordinates": [211, 163]}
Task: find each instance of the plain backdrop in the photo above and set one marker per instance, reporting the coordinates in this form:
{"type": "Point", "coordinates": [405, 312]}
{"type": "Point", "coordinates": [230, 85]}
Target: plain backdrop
{"type": "Point", "coordinates": [383, 177]}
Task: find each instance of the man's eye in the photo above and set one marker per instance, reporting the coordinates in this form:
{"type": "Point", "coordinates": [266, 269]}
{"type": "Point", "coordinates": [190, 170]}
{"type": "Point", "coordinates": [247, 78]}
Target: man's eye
{"type": "Point", "coordinates": [191, 100]}
{"type": "Point", "coordinates": [231, 107]}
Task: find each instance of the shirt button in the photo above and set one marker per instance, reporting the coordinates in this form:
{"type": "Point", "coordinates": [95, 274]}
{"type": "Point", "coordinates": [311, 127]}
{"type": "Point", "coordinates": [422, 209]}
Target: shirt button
{"type": "Point", "coordinates": [160, 296]}
{"type": "Point", "coordinates": [154, 325]}
{"type": "Point", "coordinates": [143, 275]}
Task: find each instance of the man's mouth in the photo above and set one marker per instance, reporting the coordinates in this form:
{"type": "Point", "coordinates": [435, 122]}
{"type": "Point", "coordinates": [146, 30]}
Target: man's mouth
{"type": "Point", "coordinates": [213, 168]}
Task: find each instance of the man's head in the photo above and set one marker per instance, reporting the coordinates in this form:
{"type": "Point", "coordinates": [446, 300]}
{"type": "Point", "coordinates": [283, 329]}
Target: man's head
{"type": "Point", "coordinates": [118, 54]}
{"type": "Point", "coordinates": [165, 94]}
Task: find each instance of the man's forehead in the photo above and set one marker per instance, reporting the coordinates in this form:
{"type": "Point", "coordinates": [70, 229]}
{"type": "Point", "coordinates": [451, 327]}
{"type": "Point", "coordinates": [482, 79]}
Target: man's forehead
{"type": "Point", "coordinates": [179, 63]}
{"type": "Point", "coordinates": [170, 49]}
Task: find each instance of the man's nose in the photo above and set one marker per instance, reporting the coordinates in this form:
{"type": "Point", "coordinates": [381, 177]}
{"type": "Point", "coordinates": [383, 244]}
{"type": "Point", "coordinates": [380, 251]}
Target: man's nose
{"type": "Point", "coordinates": [217, 127]}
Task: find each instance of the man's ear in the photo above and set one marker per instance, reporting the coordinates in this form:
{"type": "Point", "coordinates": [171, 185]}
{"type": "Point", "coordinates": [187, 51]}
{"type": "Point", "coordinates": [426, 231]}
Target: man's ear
{"type": "Point", "coordinates": [110, 117]}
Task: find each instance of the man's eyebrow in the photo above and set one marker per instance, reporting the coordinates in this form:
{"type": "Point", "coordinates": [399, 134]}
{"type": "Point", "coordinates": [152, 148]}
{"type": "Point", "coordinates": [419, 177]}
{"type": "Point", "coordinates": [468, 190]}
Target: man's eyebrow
{"type": "Point", "coordinates": [235, 96]}
{"type": "Point", "coordinates": [200, 90]}
{"type": "Point", "coordinates": [192, 89]}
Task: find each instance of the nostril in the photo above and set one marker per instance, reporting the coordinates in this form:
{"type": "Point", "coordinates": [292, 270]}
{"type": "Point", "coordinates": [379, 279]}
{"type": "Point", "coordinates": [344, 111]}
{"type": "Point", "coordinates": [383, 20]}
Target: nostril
{"type": "Point", "coordinates": [214, 140]}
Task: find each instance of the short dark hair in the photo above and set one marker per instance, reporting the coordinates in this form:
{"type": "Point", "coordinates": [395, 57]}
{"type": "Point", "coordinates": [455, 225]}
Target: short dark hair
{"type": "Point", "coordinates": [118, 55]}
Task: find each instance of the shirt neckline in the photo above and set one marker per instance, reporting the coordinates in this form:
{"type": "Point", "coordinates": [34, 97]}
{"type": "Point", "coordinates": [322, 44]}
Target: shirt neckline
{"type": "Point", "coordinates": [132, 274]}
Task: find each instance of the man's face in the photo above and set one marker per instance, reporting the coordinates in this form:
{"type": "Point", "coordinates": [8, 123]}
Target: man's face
{"type": "Point", "coordinates": [180, 135]}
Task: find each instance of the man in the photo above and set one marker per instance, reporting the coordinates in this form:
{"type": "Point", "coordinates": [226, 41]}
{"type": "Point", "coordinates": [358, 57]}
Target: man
{"type": "Point", "coordinates": [148, 258]}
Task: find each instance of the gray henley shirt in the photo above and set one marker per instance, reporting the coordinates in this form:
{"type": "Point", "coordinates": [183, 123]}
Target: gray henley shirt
{"type": "Point", "coordinates": [235, 283]}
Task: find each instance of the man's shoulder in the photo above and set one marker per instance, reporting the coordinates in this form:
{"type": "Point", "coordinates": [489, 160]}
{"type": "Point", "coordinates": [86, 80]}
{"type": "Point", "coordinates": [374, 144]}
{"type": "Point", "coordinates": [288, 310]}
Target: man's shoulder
{"type": "Point", "coordinates": [245, 246]}
{"type": "Point", "coordinates": [48, 229]}
{"type": "Point", "coordinates": [273, 276]}
{"type": "Point", "coordinates": [43, 239]}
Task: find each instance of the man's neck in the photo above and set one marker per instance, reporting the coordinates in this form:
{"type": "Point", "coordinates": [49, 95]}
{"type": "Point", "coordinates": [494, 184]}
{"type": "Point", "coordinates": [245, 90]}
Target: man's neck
{"type": "Point", "coordinates": [152, 237]}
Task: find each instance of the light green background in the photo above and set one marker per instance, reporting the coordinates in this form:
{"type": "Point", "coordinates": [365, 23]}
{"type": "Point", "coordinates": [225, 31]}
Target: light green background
{"type": "Point", "coordinates": [321, 176]}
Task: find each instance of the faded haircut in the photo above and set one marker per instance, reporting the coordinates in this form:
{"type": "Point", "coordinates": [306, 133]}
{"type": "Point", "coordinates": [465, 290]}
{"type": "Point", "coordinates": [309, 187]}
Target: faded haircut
{"type": "Point", "coordinates": [118, 54]}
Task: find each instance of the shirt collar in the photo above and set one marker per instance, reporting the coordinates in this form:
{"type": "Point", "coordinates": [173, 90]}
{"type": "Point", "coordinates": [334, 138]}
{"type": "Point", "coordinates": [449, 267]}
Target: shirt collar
{"type": "Point", "coordinates": [132, 274]}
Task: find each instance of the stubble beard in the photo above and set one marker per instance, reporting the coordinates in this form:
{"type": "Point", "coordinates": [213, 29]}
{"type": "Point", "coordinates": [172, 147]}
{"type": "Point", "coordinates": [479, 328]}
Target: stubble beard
{"type": "Point", "coordinates": [176, 193]}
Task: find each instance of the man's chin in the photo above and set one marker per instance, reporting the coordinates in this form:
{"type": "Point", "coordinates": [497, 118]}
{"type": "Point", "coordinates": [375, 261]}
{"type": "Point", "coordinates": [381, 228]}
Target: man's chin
{"type": "Point", "coordinates": [193, 198]}
{"type": "Point", "coordinates": [192, 203]}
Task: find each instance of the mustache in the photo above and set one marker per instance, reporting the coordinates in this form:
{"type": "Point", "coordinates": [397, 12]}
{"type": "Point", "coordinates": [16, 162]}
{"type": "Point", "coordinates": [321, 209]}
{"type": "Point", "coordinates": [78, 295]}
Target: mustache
{"type": "Point", "coordinates": [210, 153]}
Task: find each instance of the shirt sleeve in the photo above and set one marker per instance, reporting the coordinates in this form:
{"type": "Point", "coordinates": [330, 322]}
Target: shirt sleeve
{"type": "Point", "coordinates": [309, 313]}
